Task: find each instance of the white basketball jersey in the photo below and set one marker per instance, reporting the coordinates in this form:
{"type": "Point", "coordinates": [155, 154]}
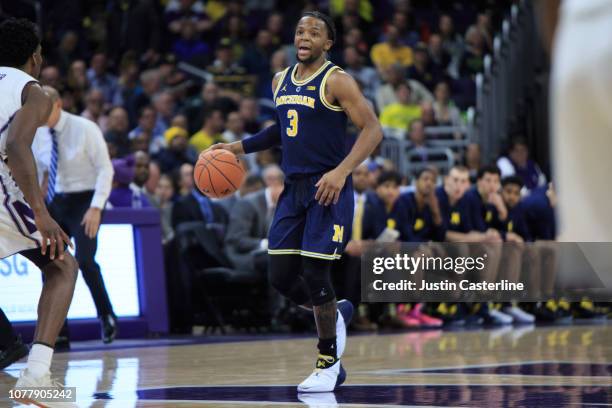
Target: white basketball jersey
{"type": "Point", "coordinates": [12, 82]}
{"type": "Point", "coordinates": [17, 228]}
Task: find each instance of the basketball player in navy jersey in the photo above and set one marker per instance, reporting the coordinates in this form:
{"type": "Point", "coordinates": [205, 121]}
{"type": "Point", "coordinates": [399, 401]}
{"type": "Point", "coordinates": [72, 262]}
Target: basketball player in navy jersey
{"type": "Point", "coordinates": [315, 211]}
{"type": "Point", "coordinates": [25, 224]}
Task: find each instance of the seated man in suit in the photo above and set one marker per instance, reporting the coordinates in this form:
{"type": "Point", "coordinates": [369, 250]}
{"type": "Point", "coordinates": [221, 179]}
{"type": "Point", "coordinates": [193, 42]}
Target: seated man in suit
{"type": "Point", "coordinates": [195, 206]}
{"type": "Point", "coordinates": [247, 232]}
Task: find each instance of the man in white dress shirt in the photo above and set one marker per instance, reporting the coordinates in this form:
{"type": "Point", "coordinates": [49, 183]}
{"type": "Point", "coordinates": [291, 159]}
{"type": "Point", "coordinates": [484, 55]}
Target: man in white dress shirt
{"type": "Point", "coordinates": [79, 177]}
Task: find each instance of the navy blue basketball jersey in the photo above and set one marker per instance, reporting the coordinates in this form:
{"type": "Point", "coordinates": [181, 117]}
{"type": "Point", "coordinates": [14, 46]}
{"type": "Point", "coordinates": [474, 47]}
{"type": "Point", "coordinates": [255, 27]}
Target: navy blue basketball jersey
{"type": "Point", "coordinates": [314, 138]}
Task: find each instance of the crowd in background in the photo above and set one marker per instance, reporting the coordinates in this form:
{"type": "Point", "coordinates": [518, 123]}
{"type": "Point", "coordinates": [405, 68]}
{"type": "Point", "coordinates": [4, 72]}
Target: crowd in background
{"type": "Point", "coordinates": [166, 79]}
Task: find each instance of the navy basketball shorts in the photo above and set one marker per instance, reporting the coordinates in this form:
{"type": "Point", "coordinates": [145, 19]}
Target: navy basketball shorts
{"type": "Point", "coordinates": [301, 226]}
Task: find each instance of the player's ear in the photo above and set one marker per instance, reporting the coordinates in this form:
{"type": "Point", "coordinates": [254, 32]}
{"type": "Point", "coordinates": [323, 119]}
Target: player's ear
{"type": "Point", "coordinates": [328, 44]}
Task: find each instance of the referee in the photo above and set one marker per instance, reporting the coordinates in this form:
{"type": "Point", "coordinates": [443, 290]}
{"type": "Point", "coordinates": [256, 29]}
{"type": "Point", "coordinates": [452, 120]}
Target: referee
{"type": "Point", "coordinates": [78, 180]}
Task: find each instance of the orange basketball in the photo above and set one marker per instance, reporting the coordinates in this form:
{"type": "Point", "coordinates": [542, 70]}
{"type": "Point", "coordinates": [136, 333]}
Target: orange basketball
{"type": "Point", "coordinates": [218, 173]}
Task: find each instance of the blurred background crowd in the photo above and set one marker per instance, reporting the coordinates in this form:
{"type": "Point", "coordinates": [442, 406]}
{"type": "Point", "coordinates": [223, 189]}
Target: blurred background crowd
{"type": "Point", "coordinates": [165, 79]}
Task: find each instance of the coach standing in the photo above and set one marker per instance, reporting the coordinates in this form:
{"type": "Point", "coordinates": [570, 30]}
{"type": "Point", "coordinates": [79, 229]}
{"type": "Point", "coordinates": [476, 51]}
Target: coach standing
{"type": "Point", "coordinates": [79, 175]}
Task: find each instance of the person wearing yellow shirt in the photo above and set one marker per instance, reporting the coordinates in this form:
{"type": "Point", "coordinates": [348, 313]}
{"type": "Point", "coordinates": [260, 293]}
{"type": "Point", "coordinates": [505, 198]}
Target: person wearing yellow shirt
{"type": "Point", "coordinates": [210, 132]}
{"type": "Point", "coordinates": [399, 115]}
{"type": "Point", "coordinates": [391, 51]}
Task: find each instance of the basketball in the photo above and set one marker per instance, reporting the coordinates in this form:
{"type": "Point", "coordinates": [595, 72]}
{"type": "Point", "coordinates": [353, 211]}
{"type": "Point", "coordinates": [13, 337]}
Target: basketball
{"type": "Point", "coordinates": [218, 173]}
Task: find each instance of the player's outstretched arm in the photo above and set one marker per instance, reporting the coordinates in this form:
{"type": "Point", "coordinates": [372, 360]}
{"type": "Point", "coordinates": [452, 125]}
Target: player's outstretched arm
{"type": "Point", "coordinates": [262, 140]}
{"type": "Point", "coordinates": [342, 88]}
{"type": "Point", "coordinates": [33, 113]}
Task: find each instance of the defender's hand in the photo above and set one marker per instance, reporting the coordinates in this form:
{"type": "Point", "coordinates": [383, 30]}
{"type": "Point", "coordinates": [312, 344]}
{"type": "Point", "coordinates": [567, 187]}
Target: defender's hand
{"type": "Point", "coordinates": [52, 233]}
{"type": "Point", "coordinates": [329, 187]}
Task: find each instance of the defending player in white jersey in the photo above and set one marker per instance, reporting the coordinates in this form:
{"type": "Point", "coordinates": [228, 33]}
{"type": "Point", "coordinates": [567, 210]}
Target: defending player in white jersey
{"type": "Point", "coordinates": [578, 32]}
{"type": "Point", "coordinates": [25, 224]}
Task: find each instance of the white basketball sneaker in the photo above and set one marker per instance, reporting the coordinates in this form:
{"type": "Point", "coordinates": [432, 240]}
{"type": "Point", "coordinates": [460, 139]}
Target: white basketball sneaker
{"type": "Point", "coordinates": [26, 381]}
{"type": "Point", "coordinates": [345, 314]}
{"type": "Point", "coordinates": [327, 375]}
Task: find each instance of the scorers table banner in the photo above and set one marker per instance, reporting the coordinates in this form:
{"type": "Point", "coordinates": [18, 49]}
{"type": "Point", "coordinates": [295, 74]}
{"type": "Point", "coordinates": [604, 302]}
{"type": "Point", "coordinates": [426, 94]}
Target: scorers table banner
{"type": "Point", "coordinates": [21, 280]}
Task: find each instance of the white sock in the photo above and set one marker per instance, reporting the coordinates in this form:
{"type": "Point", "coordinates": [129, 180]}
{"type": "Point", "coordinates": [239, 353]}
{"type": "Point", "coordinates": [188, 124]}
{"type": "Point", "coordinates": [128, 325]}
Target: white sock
{"type": "Point", "coordinates": [39, 360]}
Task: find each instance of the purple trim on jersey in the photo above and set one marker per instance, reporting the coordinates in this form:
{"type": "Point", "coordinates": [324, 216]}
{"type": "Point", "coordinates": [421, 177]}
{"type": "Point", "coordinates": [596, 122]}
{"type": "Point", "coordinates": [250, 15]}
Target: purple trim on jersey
{"type": "Point", "coordinates": [8, 207]}
{"type": "Point", "coordinates": [8, 123]}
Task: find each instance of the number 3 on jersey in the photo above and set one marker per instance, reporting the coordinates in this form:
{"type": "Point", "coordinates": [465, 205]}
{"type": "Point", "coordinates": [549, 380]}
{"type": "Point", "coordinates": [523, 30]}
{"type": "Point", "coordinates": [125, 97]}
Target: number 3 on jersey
{"type": "Point", "coordinates": [292, 130]}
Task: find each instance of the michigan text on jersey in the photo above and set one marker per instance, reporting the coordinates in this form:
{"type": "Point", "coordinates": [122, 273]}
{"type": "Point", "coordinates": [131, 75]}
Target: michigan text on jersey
{"type": "Point", "coordinates": [295, 100]}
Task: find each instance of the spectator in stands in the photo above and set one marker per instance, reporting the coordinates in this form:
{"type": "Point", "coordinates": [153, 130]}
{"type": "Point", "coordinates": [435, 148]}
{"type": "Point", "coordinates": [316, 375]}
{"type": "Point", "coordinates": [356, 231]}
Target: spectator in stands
{"type": "Point", "coordinates": [438, 55]}
{"type": "Point", "coordinates": [154, 175]}
{"type": "Point", "coordinates": [276, 28]}
{"type": "Point", "coordinates": [249, 111]}
{"type": "Point", "coordinates": [195, 206]}
{"type": "Point", "coordinates": [367, 76]}
{"type": "Point", "coordinates": [517, 162]}
{"type": "Point", "coordinates": [179, 10]}
{"type": "Point", "coordinates": [399, 115]}
{"type": "Point", "coordinates": [67, 51]}
{"type": "Point", "coordinates": [129, 88]}
{"type": "Point", "coordinates": [149, 125]}
{"type": "Point", "coordinates": [418, 141]}
{"type": "Point", "coordinates": [50, 76]}
{"type": "Point", "coordinates": [179, 120]}
{"type": "Point", "coordinates": [472, 60]}
{"type": "Point", "coordinates": [252, 183]}
{"type": "Point", "coordinates": [447, 114]}
{"type": "Point", "coordinates": [390, 51]}
{"type": "Point", "coordinates": [386, 95]}
{"type": "Point", "coordinates": [473, 160]}
{"type": "Point", "coordinates": [428, 116]}
{"type": "Point", "coordinates": [451, 40]}
{"type": "Point", "coordinates": [122, 195]}
{"type": "Point", "coordinates": [135, 27]}
{"type": "Point", "coordinates": [94, 108]}
{"type": "Point", "coordinates": [164, 194]}
{"type": "Point", "coordinates": [483, 22]}
{"type": "Point", "coordinates": [234, 128]}
{"type": "Point", "coordinates": [185, 179]}
{"type": "Point", "coordinates": [354, 38]}
{"type": "Point", "coordinates": [165, 106]}
{"type": "Point", "coordinates": [246, 239]}
{"type": "Point", "coordinates": [142, 160]}
{"type": "Point", "coordinates": [117, 131]}
{"type": "Point", "coordinates": [422, 70]}
{"type": "Point", "coordinates": [194, 108]}
{"type": "Point", "coordinates": [177, 152]}
{"type": "Point", "coordinates": [210, 132]}
{"type": "Point", "coordinates": [230, 76]}
{"type": "Point", "coordinates": [76, 80]}
{"type": "Point", "coordinates": [99, 78]}
{"type": "Point", "coordinates": [140, 143]}
{"type": "Point", "coordinates": [189, 47]}
{"type": "Point", "coordinates": [150, 81]}
{"type": "Point", "coordinates": [407, 35]}
{"type": "Point", "coordinates": [256, 60]}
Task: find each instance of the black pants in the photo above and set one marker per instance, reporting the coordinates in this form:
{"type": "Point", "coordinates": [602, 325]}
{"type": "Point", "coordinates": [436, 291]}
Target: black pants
{"type": "Point", "coordinates": [68, 211]}
{"type": "Point", "coordinates": [7, 334]}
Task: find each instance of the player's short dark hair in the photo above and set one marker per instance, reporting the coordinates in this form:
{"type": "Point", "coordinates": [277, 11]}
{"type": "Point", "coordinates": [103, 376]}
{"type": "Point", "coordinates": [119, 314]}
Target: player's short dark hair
{"type": "Point", "coordinates": [427, 169]}
{"type": "Point", "coordinates": [18, 41]}
{"type": "Point", "coordinates": [517, 140]}
{"type": "Point", "coordinates": [516, 180]}
{"type": "Point", "coordinates": [490, 168]}
{"type": "Point", "coordinates": [329, 23]}
{"type": "Point", "coordinates": [389, 175]}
